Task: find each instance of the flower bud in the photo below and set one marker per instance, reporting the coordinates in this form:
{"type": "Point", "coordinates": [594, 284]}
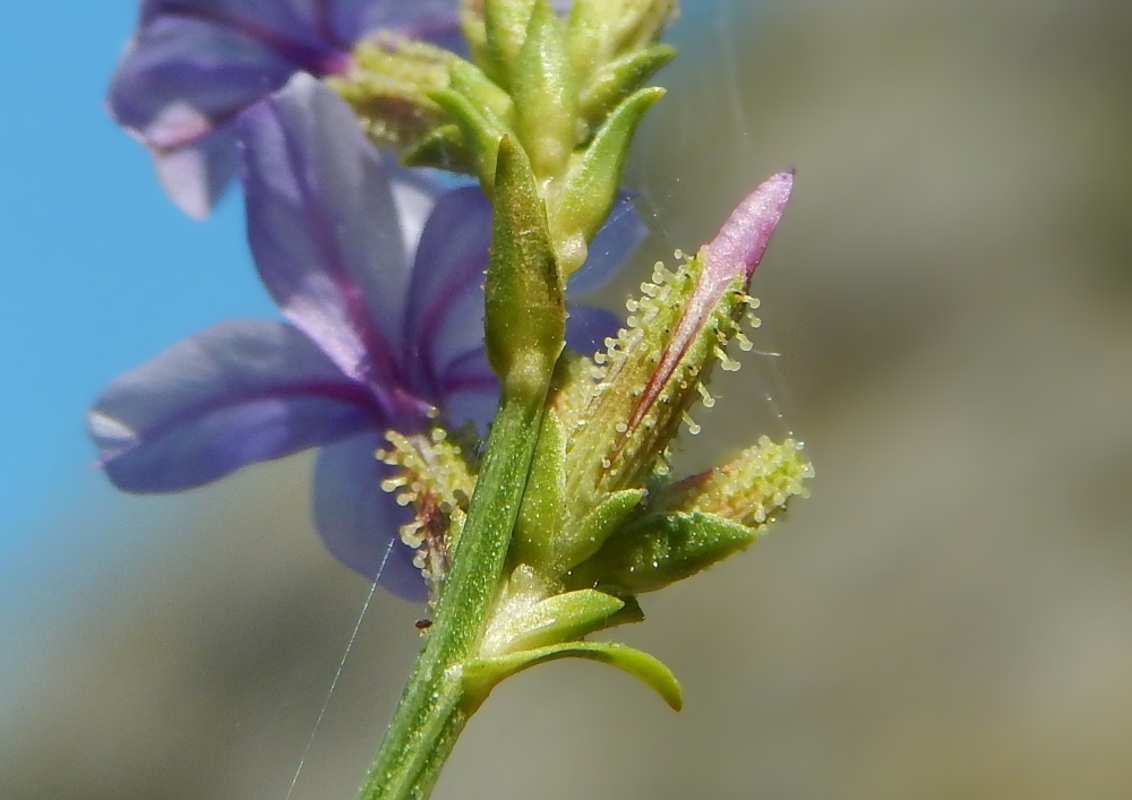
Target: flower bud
{"type": "Point", "coordinates": [690, 525]}
{"type": "Point", "coordinates": [624, 417]}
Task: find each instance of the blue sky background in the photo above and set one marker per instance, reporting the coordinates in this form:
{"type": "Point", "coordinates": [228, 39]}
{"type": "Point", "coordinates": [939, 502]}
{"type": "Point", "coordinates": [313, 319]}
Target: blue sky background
{"type": "Point", "coordinates": [100, 271]}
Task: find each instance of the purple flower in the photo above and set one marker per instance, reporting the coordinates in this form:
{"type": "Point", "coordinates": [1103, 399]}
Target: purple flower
{"type": "Point", "coordinates": [380, 278]}
{"type": "Point", "coordinates": [193, 65]}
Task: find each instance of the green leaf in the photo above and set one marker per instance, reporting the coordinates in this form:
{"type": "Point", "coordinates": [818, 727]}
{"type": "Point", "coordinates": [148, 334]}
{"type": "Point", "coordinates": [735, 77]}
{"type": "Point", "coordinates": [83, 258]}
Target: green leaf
{"type": "Point", "coordinates": [480, 677]}
{"type": "Point", "coordinates": [619, 79]}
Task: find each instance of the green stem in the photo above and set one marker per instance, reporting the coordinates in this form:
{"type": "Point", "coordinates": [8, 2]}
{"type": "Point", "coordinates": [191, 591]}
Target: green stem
{"type": "Point", "coordinates": [431, 713]}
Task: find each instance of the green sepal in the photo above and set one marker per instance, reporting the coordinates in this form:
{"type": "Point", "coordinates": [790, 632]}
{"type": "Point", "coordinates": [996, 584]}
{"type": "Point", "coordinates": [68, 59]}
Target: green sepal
{"type": "Point", "coordinates": [443, 147]}
{"type": "Point", "coordinates": [643, 23]}
{"type": "Point", "coordinates": [480, 677]}
{"type": "Point", "coordinates": [590, 186]}
{"type": "Point", "coordinates": [546, 94]}
{"type": "Point", "coordinates": [475, 34]}
{"type": "Point", "coordinates": [541, 517]}
{"type": "Point", "coordinates": [561, 618]}
{"type": "Point", "coordinates": [525, 311]}
{"type": "Point", "coordinates": [505, 30]}
{"type": "Point", "coordinates": [585, 538]}
{"type": "Point", "coordinates": [601, 31]}
{"type": "Point", "coordinates": [661, 549]}
{"type": "Point", "coordinates": [618, 79]}
{"type": "Point", "coordinates": [481, 130]}
{"type": "Point", "coordinates": [588, 35]}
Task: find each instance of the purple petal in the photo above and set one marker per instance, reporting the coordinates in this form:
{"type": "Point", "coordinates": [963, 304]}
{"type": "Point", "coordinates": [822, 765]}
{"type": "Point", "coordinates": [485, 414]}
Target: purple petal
{"type": "Point", "coordinates": [194, 176]}
{"type": "Point", "coordinates": [359, 522]}
{"type": "Point", "coordinates": [193, 65]}
{"type": "Point", "coordinates": [334, 24]}
{"type": "Point", "coordinates": [587, 328]}
{"type": "Point", "coordinates": [471, 390]}
{"type": "Point", "coordinates": [237, 393]}
{"type": "Point", "coordinates": [611, 247]}
{"type": "Point", "coordinates": [323, 228]}
{"type": "Point", "coordinates": [414, 193]}
{"type": "Point", "coordinates": [437, 21]}
{"type": "Point", "coordinates": [180, 77]}
{"type": "Point", "coordinates": [445, 305]}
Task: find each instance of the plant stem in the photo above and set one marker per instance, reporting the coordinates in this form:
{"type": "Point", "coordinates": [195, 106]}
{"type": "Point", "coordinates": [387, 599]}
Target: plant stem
{"type": "Point", "coordinates": [432, 713]}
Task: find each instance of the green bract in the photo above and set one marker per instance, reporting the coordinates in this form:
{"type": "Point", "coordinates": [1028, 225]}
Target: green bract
{"type": "Point", "coordinates": [568, 92]}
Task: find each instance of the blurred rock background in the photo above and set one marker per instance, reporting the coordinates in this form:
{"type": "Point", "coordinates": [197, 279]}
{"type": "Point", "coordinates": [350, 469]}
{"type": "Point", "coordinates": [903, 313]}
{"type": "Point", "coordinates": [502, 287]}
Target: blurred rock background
{"type": "Point", "coordinates": [950, 614]}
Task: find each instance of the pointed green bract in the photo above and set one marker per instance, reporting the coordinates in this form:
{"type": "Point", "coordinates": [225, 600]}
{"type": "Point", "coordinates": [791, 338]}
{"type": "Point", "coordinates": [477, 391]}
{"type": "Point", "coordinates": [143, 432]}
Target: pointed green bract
{"type": "Point", "coordinates": [546, 95]}
{"type": "Point", "coordinates": [541, 519]}
{"type": "Point", "coordinates": [483, 93]}
{"type": "Point", "coordinates": [583, 199]}
{"type": "Point", "coordinates": [525, 319]}
{"type": "Point", "coordinates": [660, 550]}
{"type": "Point", "coordinates": [588, 534]}
{"type": "Point", "coordinates": [690, 525]}
{"type": "Point", "coordinates": [481, 132]}
{"type": "Point", "coordinates": [505, 30]}
{"type": "Point", "coordinates": [618, 79]}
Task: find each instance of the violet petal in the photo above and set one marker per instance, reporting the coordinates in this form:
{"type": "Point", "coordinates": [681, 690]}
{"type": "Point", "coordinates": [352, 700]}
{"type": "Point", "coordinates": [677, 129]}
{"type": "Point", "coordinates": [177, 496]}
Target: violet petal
{"type": "Point", "coordinates": [359, 522]}
{"type": "Point", "coordinates": [436, 21]}
{"type": "Point", "coordinates": [471, 390]}
{"type": "Point", "coordinates": [445, 303]}
{"type": "Point", "coordinates": [193, 65]}
{"type": "Point", "coordinates": [237, 393]}
{"type": "Point", "coordinates": [588, 327]}
{"type": "Point", "coordinates": [180, 77]}
{"type": "Point", "coordinates": [323, 227]}
{"type": "Point", "coordinates": [617, 240]}
{"type": "Point", "coordinates": [194, 176]}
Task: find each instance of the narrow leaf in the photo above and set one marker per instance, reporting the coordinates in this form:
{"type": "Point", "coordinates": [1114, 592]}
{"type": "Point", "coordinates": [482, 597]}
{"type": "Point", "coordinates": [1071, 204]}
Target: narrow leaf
{"type": "Point", "coordinates": [480, 677]}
